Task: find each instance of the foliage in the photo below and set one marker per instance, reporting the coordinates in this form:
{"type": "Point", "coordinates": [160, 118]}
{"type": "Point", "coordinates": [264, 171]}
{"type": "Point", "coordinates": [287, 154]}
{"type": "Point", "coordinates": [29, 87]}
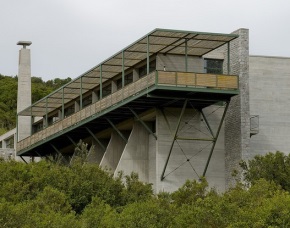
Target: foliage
{"type": "Point", "coordinates": [272, 167]}
{"type": "Point", "coordinates": [8, 97]}
{"type": "Point", "coordinates": [46, 194]}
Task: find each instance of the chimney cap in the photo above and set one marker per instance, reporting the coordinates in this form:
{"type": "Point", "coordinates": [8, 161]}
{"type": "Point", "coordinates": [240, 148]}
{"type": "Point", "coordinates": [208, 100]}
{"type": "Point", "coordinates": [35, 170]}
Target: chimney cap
{"type": "Point", "coordinates": [24, 43]}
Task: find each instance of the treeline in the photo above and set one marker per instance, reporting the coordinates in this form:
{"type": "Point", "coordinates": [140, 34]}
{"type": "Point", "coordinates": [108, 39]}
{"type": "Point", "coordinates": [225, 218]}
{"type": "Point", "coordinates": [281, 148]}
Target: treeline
{"type": "Point", "coordinates": [8, 97]}
{"type": "Point", "coordinates": [46, 194]}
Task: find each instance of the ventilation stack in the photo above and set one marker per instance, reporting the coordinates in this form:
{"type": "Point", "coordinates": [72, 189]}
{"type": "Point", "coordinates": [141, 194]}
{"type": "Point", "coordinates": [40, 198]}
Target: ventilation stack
{"type": "Point", "coordinates": [24, 90]}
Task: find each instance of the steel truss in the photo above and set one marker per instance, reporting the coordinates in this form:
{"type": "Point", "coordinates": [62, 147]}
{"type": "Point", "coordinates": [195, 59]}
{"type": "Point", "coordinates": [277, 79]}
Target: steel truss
{"type": "Point", "coordinates": [175, 137]}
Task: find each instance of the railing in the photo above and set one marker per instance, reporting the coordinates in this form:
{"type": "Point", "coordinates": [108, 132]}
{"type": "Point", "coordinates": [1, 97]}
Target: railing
{"type": "Point", "coordinates": [198, 80]}
{"type": "Point", "coordinates": [154, 78]}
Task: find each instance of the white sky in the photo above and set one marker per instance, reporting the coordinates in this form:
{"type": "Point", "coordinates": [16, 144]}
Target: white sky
{"type": "Point", "coordinates": [71, 36]}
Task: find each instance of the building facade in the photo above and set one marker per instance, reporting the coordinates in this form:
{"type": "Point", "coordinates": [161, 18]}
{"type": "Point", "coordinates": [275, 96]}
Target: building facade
{"type": "Point", "coordinates": [174, 105]}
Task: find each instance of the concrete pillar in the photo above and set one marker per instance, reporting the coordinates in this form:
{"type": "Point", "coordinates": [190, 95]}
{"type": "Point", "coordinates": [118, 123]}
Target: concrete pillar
{"type": "Point", "coordinates": [237, 121]}
{"type": "Point", "coordinates": [135, 155]}
{"type": "Point", "coordinates": [113, 152]}
{"type": "Point", "coordinates": [24, 90]}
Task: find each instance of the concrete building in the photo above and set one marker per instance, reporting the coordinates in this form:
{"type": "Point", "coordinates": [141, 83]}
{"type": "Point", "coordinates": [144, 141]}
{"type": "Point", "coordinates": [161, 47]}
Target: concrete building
{"type": "Point", "coordinates": [174, 105]}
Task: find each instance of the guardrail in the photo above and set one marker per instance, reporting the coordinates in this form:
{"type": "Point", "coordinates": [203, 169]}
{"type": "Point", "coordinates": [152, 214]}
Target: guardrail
{"type": "Point", "coordinates": [154, 78]}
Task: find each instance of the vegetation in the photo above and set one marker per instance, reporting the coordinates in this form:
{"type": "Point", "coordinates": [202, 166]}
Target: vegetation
{"type": "Point", "coordinates": [8, 97]}
{"type": "Point", "coordinates": [46, 194]}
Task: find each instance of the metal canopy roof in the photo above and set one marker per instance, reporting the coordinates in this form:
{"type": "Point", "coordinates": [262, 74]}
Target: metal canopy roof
{"type": "Point", "coordinates": [162, 41]}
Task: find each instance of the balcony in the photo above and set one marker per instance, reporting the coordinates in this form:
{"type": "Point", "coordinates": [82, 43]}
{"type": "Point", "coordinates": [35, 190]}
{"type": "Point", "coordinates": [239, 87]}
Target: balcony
{"type": "Point", "coordinates": [173, 82]}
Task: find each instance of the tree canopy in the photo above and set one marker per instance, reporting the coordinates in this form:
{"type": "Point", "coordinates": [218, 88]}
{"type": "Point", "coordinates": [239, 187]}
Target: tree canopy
{"type": "Point", "coordinates": [84, 195]}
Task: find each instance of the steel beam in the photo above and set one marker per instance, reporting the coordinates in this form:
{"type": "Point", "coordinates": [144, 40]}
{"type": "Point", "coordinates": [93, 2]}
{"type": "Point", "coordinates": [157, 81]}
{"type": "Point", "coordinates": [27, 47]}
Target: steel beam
{"type": "Point", "coordinates": [174, 138]}
{"type": "Point", "coordinates": [207, 124]}
{"type": "Point", "coordinates": [215, 138]}
{"type": "Point", "coordinates": [70, 139]}
{"type": "Point", "coordinates": [117, 130]}
{"type": "Point", "coordinates": [142, 122]}
{"type": "Point", "coordinates": [95, 138]}
{"type": "Point", "coordinates": [23, 159]}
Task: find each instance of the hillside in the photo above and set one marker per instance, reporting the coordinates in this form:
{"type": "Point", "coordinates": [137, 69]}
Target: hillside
{"type": "Point", "coordinates": [8, 97]}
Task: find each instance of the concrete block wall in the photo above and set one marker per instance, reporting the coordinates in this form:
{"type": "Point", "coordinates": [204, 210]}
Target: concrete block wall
{"type": "Point", "coordinates": [270, 98]}
{"type": "Point", "coordinates": [179, 169]}
{"type": "Point", "coordinates": [237, 122]}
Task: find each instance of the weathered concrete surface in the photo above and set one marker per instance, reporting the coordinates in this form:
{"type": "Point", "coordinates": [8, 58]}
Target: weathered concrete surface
{"type": "Point", "coordinates": [135, 155]}
{"type": "Point", "coordinates": [270, 99]}
{"type": "Point", "coordinates": [24, 93]}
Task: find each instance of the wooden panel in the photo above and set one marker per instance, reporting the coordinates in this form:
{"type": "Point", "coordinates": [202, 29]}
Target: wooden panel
{"type": "Point", "coordinates": [187, 79]}
{"type": "Point", "coordinates": [207, 80]}
{"type": "Point", "coordinates": [228, 81]}
{"type": "Point", "coordinates": [166, 78]}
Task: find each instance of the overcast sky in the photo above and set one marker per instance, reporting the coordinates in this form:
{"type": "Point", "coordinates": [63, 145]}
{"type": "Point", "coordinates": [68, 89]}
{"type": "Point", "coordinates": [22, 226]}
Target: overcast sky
{"type": "Point", "coordinates": [71, 36]}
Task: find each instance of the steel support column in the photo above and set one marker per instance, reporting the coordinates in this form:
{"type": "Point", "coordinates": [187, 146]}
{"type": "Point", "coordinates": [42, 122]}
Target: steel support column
{"type": "Point", "coordinates": [117, 130]}
{"type": "Point", "coordinates": [46, 114]}
{"type": "Point", "coordinates": [142, 122]}
{"type": "Point", "coordinates": [70, 139]}
{"type": "Point", "coordinates": [81, 93]}
{"type": "Point", "coordinates": [62, 104]}
{"type": "Point", "coordinates": [206, 123]}
{"type": "Point", "coordinates": [95, 138]}
{"type": "Point", "coordinates": [123, 71]}
{"type": "Point", "coordinates": [23, 159]}
{"type": "Point", "coordinates": [101, 82]}
{"type": "Point", "coordinates": [148, 62]}
{"type": "Point", "coordinates": [229, 59]}
{"type": "Point", "coordinates": [174, 138]}
{"type": "Point", "coordinates": [215, 138]}
{"type": "Point", "coordinates": [186, 59]}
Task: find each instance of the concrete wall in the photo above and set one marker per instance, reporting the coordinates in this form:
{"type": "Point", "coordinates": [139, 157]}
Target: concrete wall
{"type": "Point", "coordinates": [24, 93]}
{"type": "Point", "coordinates": [237, 122]}
{"type": "Point", "coordinates": [113, 152]}
{"type": "Point", "coordinates": [270, 99]}
{"type": "Point", "coordinates": [96, 153]}
{"type": "Point", "coordinates": [179, 169]}
{"type": "Point", "coordinates": [135, 155]}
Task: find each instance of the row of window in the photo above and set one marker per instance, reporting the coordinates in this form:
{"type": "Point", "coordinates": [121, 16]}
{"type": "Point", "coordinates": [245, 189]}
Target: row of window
{"type": "Point", "coordinates": [214, 66]}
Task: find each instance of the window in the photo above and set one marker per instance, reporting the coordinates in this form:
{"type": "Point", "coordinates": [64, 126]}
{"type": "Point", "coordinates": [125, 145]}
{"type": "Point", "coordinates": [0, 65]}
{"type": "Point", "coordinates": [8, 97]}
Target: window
{"type": "Point", "coordinates": [87, 101]}
{"type": "Point", "coordinates": [143, 69]}
{"type": "Point", "coordinates": [127, 80]}
{"type": "Point", "coordinates": [37, 127]}
{"type": "Point", "coordinates": [107, 90]}
{"type": "Point", "coordinates": [69, 110]}
{"type": "Point", "coordinates": [10, 142]}
{"type": "Point", "coordinates": [214, 66]}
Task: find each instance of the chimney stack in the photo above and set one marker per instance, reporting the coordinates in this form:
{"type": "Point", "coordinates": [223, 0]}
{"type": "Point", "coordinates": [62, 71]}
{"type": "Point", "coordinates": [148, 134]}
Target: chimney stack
{"type": "Point", "coordinates": [24, 90]}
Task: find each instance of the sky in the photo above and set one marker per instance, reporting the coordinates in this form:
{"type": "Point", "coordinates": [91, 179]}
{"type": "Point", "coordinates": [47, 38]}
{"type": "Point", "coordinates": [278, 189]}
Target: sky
{"type": "Point", "coordinates": [71, 36]}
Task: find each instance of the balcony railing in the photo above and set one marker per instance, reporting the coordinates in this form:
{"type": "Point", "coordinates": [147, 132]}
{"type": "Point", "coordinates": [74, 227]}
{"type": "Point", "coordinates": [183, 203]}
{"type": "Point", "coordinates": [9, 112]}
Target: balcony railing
{"type": "Point", "coordinates": [180, 79]}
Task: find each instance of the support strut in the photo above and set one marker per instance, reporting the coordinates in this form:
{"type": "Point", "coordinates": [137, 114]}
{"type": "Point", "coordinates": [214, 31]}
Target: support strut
{"type": "Point", "coordinates": [142, 122]}
{"type": "Point", "coordinates": [174, 138]}
{"type": "Point", "coordinates": [215, 138]}
{"type": "Point", "coordinates": [117, 130]}
{"type": "Point", "coordinates": [97, 140]}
